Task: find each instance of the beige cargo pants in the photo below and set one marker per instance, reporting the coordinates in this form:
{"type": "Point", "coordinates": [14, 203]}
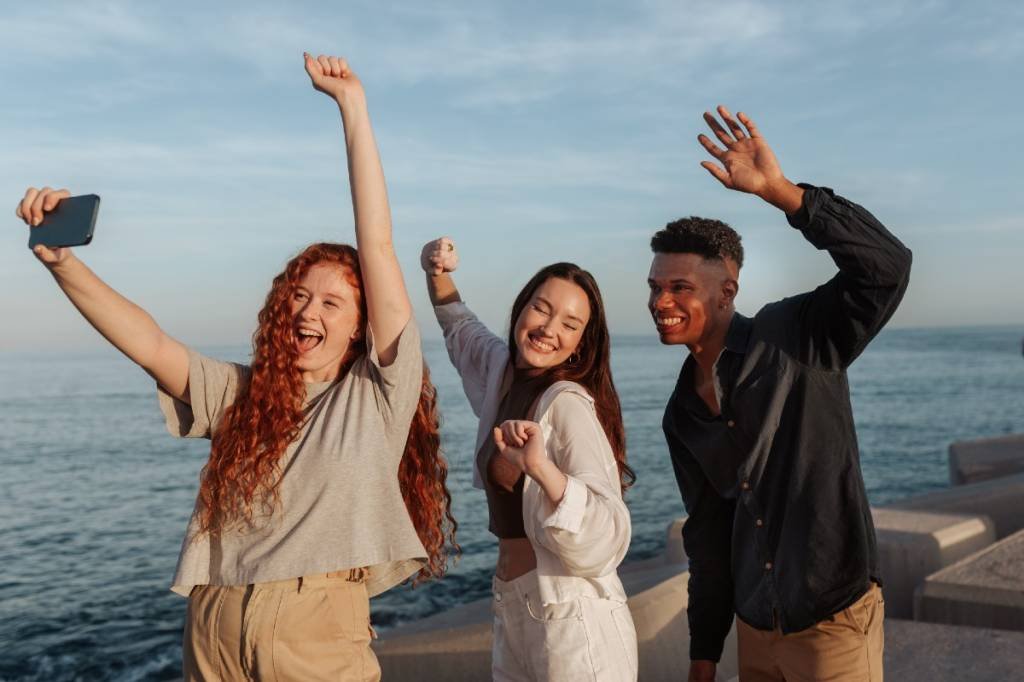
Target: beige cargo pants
{"type": "Point", "coordinates": [303, 629]}
{"type": "Point", "coordinates": [847, 647]}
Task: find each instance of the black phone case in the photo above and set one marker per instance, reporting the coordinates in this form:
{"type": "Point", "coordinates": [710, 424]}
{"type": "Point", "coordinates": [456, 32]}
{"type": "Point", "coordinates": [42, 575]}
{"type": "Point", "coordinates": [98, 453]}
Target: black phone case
{"type": "Point", "coordinates": [71, 223]}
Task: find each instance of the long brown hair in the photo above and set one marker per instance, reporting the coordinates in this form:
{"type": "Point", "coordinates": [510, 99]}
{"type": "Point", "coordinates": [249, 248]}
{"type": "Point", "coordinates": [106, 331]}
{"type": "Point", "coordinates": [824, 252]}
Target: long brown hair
{"type": "Point", "coordinates": [590, 366]}
{"type": "Point", "coordinates": [266, 416]}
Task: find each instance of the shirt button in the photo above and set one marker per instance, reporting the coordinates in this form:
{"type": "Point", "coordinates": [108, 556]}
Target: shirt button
{"type": "Point", "coordinates": [745, 485]}
{"type": "Point", "coordinates": [497, 597]}
{"type": "Point", "coordinates": [767, 565]}
{"type": "Point", "coordinates": [759, 523]}
{"type": "Point", "coordinates": [730, 423]}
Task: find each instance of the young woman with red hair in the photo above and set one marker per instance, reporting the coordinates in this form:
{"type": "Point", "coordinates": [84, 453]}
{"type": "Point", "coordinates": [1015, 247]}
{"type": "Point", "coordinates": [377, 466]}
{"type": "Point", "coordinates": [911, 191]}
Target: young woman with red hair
{"type": "Point", "coordinates": [551, 458]}
{"type": "Point", "coordinates": [325, 485]}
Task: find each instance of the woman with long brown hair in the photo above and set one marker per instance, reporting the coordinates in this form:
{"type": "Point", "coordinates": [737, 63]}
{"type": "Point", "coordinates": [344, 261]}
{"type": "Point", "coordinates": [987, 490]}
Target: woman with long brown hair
{"type": "Point", "coordinates": [551, 458]}
{"type": "Point", "coordinates": [325, 485]}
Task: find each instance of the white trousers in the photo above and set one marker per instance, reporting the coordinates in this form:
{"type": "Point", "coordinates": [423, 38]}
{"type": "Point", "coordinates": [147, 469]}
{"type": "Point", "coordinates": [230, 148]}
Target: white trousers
{"type": "Point", "coordinates": [586, 639]}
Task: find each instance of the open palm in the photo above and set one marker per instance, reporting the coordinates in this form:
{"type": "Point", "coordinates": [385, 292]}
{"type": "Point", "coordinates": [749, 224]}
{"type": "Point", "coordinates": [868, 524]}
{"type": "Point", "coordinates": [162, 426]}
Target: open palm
{"type": "Point", "coordinates": [747, 162]}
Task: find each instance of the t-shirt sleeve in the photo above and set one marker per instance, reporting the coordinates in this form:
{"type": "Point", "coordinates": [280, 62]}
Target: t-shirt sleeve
{"type": "Point", "coordinates": [399, 383]}
{"type": "Point", "coordinates": [212, 387]}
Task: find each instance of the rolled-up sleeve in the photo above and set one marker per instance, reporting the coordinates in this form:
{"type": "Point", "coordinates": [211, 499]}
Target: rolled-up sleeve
{"type": "Point", "coordinates": [473, 349]}
{"type": "Point", "coordinates": [589, 530]}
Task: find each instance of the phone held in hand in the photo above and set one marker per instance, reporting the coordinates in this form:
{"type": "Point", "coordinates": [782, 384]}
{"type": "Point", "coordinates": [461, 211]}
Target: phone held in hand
{"type": "Point", "coordinates": [71, 223]}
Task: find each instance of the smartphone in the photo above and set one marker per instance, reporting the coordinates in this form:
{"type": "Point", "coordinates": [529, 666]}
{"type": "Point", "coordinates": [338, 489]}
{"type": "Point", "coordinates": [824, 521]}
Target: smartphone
{"type": "Point", "coordinates": [71, 223]}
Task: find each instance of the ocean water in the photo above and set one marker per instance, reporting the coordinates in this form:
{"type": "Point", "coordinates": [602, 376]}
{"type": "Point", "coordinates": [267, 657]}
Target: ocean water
{"type": "Point", "coordinates": [94, 494]}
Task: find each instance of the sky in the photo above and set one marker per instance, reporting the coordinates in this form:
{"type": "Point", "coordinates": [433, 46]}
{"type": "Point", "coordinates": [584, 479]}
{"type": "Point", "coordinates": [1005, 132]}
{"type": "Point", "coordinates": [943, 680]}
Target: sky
{"type": "Point", "coordinates": [529, 132]}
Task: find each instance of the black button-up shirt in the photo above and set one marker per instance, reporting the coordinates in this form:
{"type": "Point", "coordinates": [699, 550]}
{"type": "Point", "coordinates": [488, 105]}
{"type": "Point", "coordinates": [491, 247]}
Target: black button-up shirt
{"type": "Point", "coordinates": [779, 530]}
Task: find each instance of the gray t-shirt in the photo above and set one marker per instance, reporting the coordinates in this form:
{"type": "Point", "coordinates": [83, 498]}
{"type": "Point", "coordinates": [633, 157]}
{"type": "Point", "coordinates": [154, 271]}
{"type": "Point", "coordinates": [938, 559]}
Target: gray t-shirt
{"type": "Point", "coordinates": [340, 505]}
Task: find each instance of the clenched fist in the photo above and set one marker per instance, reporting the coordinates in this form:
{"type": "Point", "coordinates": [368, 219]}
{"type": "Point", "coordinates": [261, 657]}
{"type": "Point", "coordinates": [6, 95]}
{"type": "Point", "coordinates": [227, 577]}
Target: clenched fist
{"type": "Point", "coordinates": [439, 256]}
{"type": "Point", "coordinates": [333, 77]}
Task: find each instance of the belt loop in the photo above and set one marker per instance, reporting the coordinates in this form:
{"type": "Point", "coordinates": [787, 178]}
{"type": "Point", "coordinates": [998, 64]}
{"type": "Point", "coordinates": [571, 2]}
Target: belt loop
{"type": "Point", "coordinates": [357, 575]}
{"type": "Point", "coordinates": [298, 589]}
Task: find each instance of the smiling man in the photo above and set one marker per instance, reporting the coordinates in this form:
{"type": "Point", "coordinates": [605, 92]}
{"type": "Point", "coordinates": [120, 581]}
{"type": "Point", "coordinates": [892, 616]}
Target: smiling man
{"type": "Point", "coordinates": [760, 428]}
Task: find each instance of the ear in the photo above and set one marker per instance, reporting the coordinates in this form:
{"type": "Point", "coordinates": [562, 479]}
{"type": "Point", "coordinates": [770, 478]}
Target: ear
{"type": "Point", "coordinates": [730, 287]}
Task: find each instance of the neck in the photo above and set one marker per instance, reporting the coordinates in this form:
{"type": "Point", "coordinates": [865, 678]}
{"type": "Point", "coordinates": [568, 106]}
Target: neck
{"type": "Point", "coordinates": [706, 351]}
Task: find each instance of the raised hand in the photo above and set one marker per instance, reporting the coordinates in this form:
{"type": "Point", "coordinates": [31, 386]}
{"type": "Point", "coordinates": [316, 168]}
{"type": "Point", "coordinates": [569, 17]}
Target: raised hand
{"type": "Point", "coordinates": [333, 77]}
{"type": "Point", "coordinates": [439, 256]}
{"type": "Point", "coordinates": [35, 204]}
{"type": "Point", "coordinates": [747, 162]}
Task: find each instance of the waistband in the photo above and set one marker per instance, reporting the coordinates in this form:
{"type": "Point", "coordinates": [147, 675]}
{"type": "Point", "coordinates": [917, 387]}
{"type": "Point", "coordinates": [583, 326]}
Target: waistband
{"type": "Point", "coordinates": [348, 577]}
{"type": "Point", "coordinates": [524, 584]}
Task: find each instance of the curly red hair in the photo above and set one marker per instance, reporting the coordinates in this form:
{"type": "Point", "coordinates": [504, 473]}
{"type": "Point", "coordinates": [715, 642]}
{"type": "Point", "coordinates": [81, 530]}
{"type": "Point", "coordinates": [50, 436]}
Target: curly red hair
{"type": "Point", "coordinates": [267, 416]}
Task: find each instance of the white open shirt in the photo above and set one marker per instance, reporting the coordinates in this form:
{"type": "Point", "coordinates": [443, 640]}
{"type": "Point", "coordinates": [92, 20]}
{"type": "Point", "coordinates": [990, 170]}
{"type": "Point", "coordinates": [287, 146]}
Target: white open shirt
{"type": "Point", "coordinates": [581, 542]}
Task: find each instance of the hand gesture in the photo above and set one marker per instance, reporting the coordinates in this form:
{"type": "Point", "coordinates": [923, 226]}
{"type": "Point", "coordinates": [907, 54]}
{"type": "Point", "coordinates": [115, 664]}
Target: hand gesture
{"type": "Point", "coordinates": [31, 209]}
{"type": "Point", "coordinates": [521, 443]}
{"type": "Point", "coordinates": [439, 256]}
{"type": "Point", "coordinates": [333, 77]}
{"type": "Point", "coordinates": [749, 164]}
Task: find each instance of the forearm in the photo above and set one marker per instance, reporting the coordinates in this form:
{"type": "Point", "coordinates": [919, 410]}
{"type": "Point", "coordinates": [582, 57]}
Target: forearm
{"type": "Point", "coordinates": [366, 176]}
{"type": "Point", "coordinates": [442, 289]}
{"type": "Point", "coordinates": [124, 324]}
{"type": "Point", "coordinates": [865, 252]}
{"type": "Point", "coordinates": [784, 195]}
{"type": "Point", "coordinates": [387, 301]}
{"type": "Point", "coordinates": [550, 478]}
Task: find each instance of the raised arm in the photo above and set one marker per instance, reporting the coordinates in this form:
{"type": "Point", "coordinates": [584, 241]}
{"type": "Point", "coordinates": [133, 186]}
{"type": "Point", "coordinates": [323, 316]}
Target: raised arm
{"type": "Point", "coordinates": [125, 325]}
{"type": "Point", "coordinates": [832, 324]}
{"type": "Point", "coordinates": [438, 260]}
{"type": "Point", "coordinates": [387, 301]}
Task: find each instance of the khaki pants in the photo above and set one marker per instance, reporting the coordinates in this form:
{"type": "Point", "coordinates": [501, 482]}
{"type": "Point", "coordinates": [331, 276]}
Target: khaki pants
{"type": "Point", "coordinates": [302, 629]}
{"type": "Point", "coordinates": [583, 640]}
{"type": "Point", "coordinates": [846, 647]}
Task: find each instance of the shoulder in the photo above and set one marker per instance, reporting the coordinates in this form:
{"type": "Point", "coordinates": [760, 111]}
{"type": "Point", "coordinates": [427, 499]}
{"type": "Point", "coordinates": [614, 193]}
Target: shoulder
{"type": "Point", "coordinates": [563, 399]}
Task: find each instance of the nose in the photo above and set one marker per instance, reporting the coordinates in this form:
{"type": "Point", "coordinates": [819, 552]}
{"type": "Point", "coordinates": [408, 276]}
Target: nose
{"type": "Point", "coordinates": [661, 300]}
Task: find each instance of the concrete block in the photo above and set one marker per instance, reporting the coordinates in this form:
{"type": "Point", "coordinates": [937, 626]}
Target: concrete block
{"type": "Point", "coordinates": [674, 552]}
{"type": "Point", "coordinates": [915, 544]}
{"type": "Point", "coordinates": [985, 589]}
{"type": "Point", "coordinates": [971, 461]}
{"type": "Point", "coordinates": [1000, 499]}
{"type": "Point", "coordinates": [930, 652]}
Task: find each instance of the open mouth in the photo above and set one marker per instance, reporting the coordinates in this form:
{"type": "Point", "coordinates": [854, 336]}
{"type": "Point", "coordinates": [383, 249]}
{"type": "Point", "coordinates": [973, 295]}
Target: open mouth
{"type": "Point", "coordinates": [539, 345]}
{"type": "Point", "coordinates": [666, 323]}
{"type": "Point", "coordinates": [307, 339]}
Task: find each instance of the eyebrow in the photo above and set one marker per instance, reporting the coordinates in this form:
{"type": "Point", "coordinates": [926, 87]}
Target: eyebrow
{"type": "Point", "coordinates": [678, 280]}
{"type": "Point", "coordinates": [548, 304]}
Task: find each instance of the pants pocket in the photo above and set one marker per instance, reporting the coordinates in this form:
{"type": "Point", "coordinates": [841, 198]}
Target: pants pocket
{"type": "Point", "coordinates": [558, 641]}
{"type": "Point", "coordinates": [623, 621]}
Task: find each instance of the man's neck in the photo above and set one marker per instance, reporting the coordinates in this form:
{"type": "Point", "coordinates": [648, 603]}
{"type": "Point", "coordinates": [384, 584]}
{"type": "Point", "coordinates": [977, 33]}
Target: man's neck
{"type": "Point", "coordinates": [707, 350]}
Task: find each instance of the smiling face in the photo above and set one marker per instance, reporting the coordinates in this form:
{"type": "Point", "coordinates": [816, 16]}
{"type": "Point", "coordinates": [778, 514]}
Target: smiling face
{"type": "Point", "coordinates": [551, 324]}
{"type": "Point", "coordinates": [691, 297]}
{"type": "Point", "coordinates": [325, 320]}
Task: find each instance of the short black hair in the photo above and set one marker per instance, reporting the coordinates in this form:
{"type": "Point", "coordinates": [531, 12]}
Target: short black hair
{"type": "Point", "coordinates": [706, 237]}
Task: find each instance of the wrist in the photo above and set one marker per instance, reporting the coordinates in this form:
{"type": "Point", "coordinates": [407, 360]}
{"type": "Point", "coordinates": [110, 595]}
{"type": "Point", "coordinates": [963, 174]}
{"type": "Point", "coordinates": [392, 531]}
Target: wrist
{"type": "Point", "coordinates": [784, 195]}
{"type": "Point", "coordinates": [350, 102]}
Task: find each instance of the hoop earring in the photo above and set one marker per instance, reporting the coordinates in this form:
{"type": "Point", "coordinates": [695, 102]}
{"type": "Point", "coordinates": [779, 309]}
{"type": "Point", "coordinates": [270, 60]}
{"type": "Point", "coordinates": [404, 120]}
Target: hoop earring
{"type": "Point", "coordinates": [574, 358]}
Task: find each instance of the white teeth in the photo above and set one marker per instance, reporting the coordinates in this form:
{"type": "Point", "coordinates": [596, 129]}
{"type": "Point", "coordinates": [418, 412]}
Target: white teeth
{"type": "Point", "coordinates": [540, 344]}
{"type": "Point", "coordinates": [309, 332]}
{"type": "Point", "coordinates": [669, 321]}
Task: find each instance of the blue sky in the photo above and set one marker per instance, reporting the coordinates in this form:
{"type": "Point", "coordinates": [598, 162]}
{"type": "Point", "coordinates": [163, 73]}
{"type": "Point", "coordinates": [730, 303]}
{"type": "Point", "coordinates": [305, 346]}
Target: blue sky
{"type": "Point", "coordinates": [529, 132]}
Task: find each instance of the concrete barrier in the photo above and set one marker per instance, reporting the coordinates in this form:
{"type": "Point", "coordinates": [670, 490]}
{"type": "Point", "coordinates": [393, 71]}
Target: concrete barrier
{"type": "Point", "coordinates": [985, 589]}
{"type": "Point", "coordinates": [456, 645]}
{"type": "Point", "coordinates": [930, 652]}
{"type": "Point", "coordinates": [971, 461]}
{"type": "Point", "coordinates": [1000, 499]}
{"type": "Point", "coordinates": [915, 544]}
